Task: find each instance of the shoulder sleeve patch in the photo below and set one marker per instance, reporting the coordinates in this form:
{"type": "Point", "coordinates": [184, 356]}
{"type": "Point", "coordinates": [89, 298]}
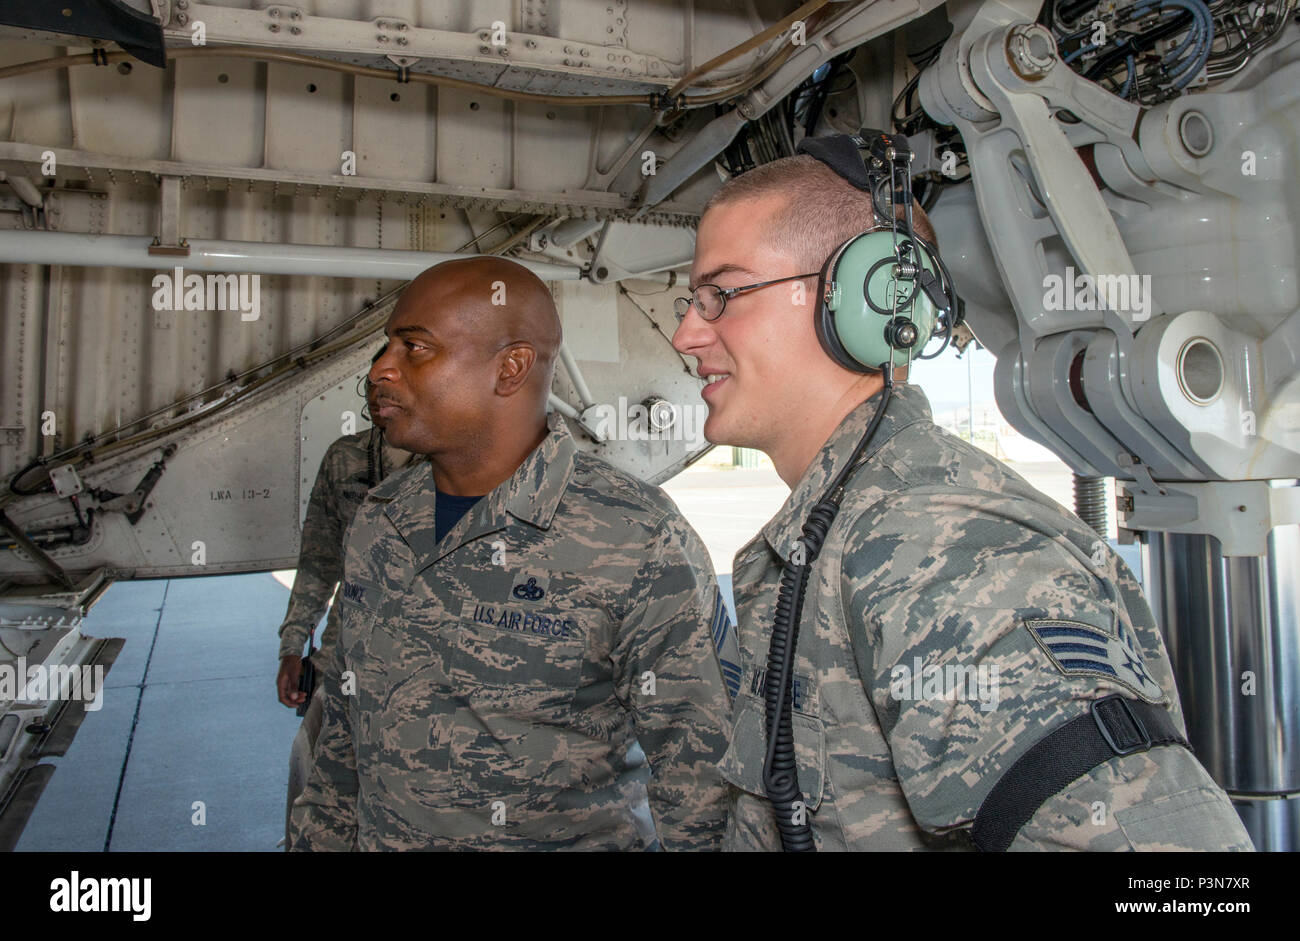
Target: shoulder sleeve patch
{"type": "Point", "coordinates": [724, 639]}
{"type": "Point", "coordinates": [1079, 649]}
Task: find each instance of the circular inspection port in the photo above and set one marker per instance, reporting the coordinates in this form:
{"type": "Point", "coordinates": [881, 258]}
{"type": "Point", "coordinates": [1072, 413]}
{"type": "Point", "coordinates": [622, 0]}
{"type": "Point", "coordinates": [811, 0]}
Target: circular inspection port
{"type": "Point", "coordinates": [1196, 134]}
{"type": "Point", "coordinates": [1200, 370]}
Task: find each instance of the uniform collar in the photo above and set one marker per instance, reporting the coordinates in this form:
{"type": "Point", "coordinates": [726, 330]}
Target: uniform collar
{"type": "Point", "coordinates": [907, 406]}
{"type": "Point", "coordinates": [532, 494]}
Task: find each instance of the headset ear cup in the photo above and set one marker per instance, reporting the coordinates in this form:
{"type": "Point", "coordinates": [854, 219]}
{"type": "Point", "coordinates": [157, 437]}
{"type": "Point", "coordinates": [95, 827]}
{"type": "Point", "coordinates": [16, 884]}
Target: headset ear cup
{"type": "Point", "coordinates": [824, 317]}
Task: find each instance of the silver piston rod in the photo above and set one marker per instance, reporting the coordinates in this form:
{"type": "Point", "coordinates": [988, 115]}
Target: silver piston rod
{"type": "Point", "coordinates": [1233, 634]}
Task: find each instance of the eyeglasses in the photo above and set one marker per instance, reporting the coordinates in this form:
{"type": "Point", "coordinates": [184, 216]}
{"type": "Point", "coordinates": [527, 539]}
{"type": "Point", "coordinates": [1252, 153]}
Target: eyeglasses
{"type": "Point", "coordinates": [710, 301]}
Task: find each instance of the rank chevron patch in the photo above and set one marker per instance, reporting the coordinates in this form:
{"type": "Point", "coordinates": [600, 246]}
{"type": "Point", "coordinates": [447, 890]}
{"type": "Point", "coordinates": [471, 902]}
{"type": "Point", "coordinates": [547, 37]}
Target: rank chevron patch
{"type": "Point", "coordinates": [1079, 649]}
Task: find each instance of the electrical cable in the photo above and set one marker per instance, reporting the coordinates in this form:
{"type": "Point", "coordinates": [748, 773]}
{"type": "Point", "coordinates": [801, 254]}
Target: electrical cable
{"type": "Point", "coordinates": [952, 317]}
{"type": "Point", "coordinates": [780, 769]}
{"type": "Point", "coordinates": [686, 365]}
{"type": "Point", "coordinates": [1080, 51]}
{"type": "Point", "coordinates": [780, 26]}
{"type": "Point", "coordinates": [1124, 63]}
{"type": "Point", "coordinates": [947, 336]}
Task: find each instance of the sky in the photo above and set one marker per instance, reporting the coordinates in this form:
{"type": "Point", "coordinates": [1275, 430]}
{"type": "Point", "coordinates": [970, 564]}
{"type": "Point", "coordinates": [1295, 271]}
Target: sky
{"type": "Point", "coordinates": [945, 379]}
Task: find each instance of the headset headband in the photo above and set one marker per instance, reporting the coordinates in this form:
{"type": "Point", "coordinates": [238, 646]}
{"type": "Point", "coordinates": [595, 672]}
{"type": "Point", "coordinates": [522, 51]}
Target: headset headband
{"type": "Point", "coordinates": [842, 153]}
{"type": "Point", "coordinates": [859, 320]}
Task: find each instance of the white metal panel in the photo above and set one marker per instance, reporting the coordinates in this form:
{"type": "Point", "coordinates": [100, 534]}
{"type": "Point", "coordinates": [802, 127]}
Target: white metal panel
{"type": "Point", "coordinates": [34, 109]}
{"type": "Point", "coordinates": [258, 158]}
{"type": "Point", "coordinates": [308, 121]}
{"type": "Point", "coordinates": [394, 131]}
{"type": "Point", "coordinates": [473, 131]}
{"type": "Point", "coordinates": [116, 107]}
{"type": "Point", "coordinates": [214, 121]}
{"type": "Point", "coordinates": [552, 147]}
{"type": "Point", "coordinates": [589, 332]}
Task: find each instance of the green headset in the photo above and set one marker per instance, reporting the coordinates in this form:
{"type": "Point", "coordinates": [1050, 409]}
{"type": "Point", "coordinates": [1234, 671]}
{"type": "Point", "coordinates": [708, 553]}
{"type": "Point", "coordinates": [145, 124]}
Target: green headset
{"type": "Point", "coordinates": [884, 294]}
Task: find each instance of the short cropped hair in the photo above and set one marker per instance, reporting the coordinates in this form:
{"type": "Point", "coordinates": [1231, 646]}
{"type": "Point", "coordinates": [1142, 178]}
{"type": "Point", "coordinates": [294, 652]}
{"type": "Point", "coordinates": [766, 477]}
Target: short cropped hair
{"type": "Point", "coordinates": [821, 209]}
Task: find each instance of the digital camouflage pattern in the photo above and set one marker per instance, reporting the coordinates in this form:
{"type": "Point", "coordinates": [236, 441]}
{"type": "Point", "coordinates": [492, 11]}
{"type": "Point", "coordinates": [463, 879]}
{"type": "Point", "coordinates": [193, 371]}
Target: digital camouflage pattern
{"type": "Point", "coordinates": [341, 484]}
{"type": "Point", "coordinates": [918, 679]}
{"type": "Point", "coordinates": [501, 675]}
{"type": "Point", "coordinates": [342, 480]}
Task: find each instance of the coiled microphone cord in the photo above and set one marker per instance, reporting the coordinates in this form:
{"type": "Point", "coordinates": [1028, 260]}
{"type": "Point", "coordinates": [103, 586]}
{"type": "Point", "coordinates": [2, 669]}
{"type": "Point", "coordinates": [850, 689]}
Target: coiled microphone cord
{"type": "Point", "coordinates": [780, 770]}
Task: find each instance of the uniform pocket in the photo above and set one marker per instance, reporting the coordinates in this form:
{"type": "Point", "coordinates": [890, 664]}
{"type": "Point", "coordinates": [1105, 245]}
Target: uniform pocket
{"type": "Point", "coordinates": [516, 687]}
{"type": "Point", "coordinates": [742, 765]}
{"type": "Point", "coordinates": [1197, 819]}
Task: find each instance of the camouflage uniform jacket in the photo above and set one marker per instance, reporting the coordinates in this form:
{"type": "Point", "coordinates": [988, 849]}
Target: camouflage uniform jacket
{"type": "Point", "coordinates": [930, 657]}
{"type": "Point", "coordinates": [341, 484]}
{"type": "Point", "coordinates": [501, 674]}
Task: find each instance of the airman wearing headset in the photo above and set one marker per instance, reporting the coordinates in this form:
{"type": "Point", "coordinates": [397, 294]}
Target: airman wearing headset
{"type": "Point", "coordinates": [947, 658]}
{"type": "Point", "coordinates": [351, 466]}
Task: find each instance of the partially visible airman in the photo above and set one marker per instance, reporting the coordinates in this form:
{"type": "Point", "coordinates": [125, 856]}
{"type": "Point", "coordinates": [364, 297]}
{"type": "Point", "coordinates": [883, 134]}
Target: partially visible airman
{"type": "Point", "coordinates": [351, 466]}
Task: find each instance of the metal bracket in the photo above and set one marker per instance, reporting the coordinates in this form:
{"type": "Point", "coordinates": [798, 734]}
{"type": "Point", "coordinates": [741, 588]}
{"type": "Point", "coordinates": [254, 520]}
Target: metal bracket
{"type": "Point", "coordinates": [65, 480]}
{"type": "Point", "coordinates": [1239, 513]}
{"type": "Point", "coordinates": [1142, 474]}
{"type": "Point", "coordinates": [169, 241]}
{"type": "Point", "coordinates": [133, 503]}
{"type": "Point", "coordinates": [37, 554]}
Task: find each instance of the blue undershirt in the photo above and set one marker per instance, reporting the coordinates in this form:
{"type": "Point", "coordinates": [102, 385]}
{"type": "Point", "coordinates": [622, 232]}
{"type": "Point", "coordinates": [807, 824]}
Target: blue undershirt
{"type": "Point", "coordinates": [448, 510]}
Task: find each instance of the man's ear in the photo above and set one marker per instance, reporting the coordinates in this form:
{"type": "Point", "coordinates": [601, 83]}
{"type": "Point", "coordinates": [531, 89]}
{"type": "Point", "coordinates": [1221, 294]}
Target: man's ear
{"type": "Point", "coordinates": [514, 365]}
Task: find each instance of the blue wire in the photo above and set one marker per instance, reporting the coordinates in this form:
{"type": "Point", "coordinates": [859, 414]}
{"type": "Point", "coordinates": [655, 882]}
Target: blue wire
{"type": "Point", "coordinates": [1128, 82]}
{"type": "Point", "coordinates": [1207, 37]}
{"type": "Point", "coordinates": [1080, 51]}
{"type": "Point", "coordinates": [1181, 66]}
{"type": "Point", "coordinates": [1176, 54]}
{"type": "Point", "coordinates": [1185, 69]}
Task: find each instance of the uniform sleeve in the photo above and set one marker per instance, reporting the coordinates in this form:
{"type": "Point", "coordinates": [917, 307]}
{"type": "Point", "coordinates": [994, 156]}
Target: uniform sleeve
{"type": "Point", "coordinates": [668, 673]}
{"type": "Point", "coordinates": [320, 562]}
{"type": "Point", "coordinates": [978, 629]}
{"type": "Point", "coordinates": [1161, 800]}
{"type": "Point", "coordinates": [324, 816]}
